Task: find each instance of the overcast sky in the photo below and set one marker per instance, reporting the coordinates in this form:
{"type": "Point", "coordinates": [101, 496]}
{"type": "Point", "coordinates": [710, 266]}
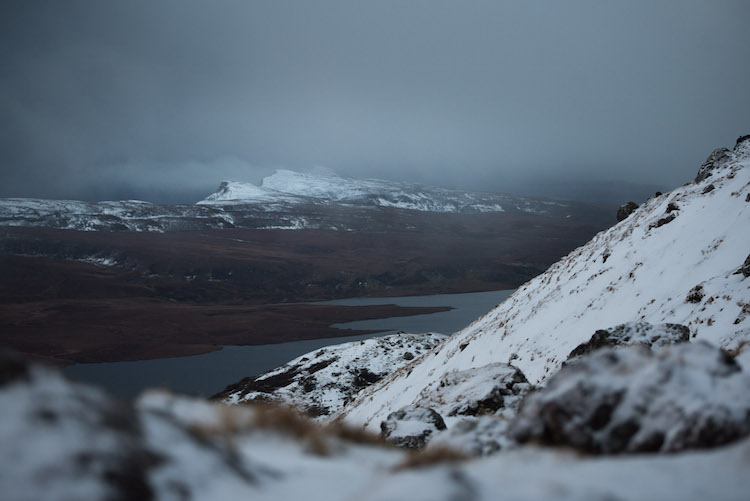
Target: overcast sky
{"type": "Point", "coordinates": [163, 99]}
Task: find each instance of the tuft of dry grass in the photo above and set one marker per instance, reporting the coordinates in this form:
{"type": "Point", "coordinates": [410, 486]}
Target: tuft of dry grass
{"type": "Point", "coordinates": [317, 439]}
{"type": "Point", "coordinates": [431, 457]}
{"type": "Point", "coordinates": [739, 349]}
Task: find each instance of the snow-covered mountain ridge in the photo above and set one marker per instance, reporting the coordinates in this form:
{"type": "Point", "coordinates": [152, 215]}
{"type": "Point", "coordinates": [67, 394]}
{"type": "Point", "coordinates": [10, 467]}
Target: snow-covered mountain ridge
{"type": "Point", "coordinates": [285, 200]}
{"type": "Point", "coordinates": [325, 186]}
{"type": "Point", "coordinates": [674, 260]}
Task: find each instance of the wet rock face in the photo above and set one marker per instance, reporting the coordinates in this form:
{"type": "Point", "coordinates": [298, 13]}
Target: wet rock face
{"type": "Point", "coordinates": [632, 399]}
{"type": "Point", "coordinates": [633, 333]}
{"type": "Point", "coordinates": [625, 210]}
{"type": "Point", "coordinates": [411, 426]}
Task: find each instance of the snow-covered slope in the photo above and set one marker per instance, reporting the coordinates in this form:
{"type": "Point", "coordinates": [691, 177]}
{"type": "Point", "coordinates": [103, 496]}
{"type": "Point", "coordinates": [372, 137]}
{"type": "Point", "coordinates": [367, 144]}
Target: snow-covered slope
{"type": "Point", "coordinates": [62, 440]}
{"type": "Point", "coordinates": [125, 215]}
{"type": "Point", "coordinates": [325, 186]}
{"type": "Point", "coordinates": [674, 260]}
{"type": "Point", "coordinates": [323, 381]}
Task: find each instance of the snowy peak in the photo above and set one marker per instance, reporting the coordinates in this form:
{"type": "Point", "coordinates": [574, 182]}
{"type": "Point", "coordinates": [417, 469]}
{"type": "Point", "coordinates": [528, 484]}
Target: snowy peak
{"type": "Point", "coordinates": [231, 190]}
{"type": "Point", "coordinates": [673, 260]}
{"type": "Point", "coordinates": [324, 186]}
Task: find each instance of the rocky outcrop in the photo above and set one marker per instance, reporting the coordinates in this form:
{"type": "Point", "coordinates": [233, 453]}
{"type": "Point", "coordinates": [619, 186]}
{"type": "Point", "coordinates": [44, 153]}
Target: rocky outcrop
{"type": "Point", "coordinates": [493, 389]}
{"type": "Point", "coordinates": [411, 426]}
{"type": "Point", "coordinates": [631, 399]}
{"type": "Point", "coordinates": [721, 156]}
{"type": "Point", "coordinates": [322, 381]}
{"type": "Point", "coordinates": [718, 158]}
{"type": "Point", "coordinates": [625, 210]}
{"type": "Point", "coordinates": [638, 333]}
{"type": "Point", "coordinates": [745, 268]}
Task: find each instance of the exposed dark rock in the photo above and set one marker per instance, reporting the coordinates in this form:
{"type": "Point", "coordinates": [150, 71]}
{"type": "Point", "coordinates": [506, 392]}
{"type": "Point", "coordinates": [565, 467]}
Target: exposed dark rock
{"type": "Point", "coordinates": [661, 222]}
{"type": "Point", "coordinates": [658, 194]}
{"type": "Point", "coordinates": [632, 399]}
{"type": "Point", "coordinates": [364, 377]}
{"type": "Point", "coordinates": [708, 189]}
{"type": "Point", "coordinates": [695, 295]}
{"type": "Point", "coordinates": [717, 158]}
{"type": "Point", "coordinates": [745, 268]}
{"type": "Point", "coordinates": [411, 426]}
{"type": "Point", "coordinates": [742, 145]}
{"type": "Point", "coordinates": [672, 206]}
{"type": "Point", "coordinates": [641, 333]}
{"type": "Point", "coordinates": [408, 355]}
{"type": "Point", "coordinates": [625, 210]}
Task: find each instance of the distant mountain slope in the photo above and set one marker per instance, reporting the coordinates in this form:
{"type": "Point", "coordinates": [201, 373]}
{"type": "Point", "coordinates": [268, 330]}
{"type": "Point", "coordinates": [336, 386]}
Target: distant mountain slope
{"type": "Point", "coordinates": [286, 200]}
{"type": "Point", "coordinates": [294, 187]}
{"type": "Point", "coordinates": [676, 259]}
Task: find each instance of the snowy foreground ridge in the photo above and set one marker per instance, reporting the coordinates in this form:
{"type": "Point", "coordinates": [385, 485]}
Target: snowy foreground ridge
{"type": "Point", "coordinates": [673, 260]}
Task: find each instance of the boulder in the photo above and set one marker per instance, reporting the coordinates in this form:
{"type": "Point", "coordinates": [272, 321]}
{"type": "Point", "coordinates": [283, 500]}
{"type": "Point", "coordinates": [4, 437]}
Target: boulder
{"type": "Point", "coordinates": [625, 210]}
{"type": "Point", "coordinates": [745, 268]}
{"type": "Point", "coordinates": [495, 388]}
{"type": "Point", "coordinates": [640, 333]}
{"type": "Point", "coordinates": [633, 399]}
{"type": "Point", "coordinates": [718, 158]}
{"type": "Point", "coordinates": [411, 426]}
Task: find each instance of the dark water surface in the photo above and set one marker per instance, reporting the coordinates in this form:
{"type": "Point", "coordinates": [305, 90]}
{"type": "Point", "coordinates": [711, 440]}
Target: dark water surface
{"type": "Point", "coordinates": [209, 373]}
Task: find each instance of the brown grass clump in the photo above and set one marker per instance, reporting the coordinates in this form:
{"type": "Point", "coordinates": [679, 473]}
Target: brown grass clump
{"type": "Point", "coordinates": [430, 457]}
{"type": "Point", "coordinates": [739, 349]}
{"type": "Point", "coordinates": [234, 420]}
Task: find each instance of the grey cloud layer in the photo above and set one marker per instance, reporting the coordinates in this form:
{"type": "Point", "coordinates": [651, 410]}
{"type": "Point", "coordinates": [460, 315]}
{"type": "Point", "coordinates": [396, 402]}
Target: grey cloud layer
{"type": "Point", "coordinates": [106, 99]}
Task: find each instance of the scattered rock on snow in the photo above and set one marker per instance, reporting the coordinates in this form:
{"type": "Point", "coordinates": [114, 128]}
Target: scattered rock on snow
{"type": "Point", "coordinates": [625, 210]}
{"type": "Point", "coordinates": [632, 399]}
{"type": "Point", "coordinates": [411, 426]}
{"type": "Point", "coordinates": [695, 295]}
{"type": "Point", "coordinates": [661, 222]}
{"type": "Point", "coordinates": [642, 333]}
